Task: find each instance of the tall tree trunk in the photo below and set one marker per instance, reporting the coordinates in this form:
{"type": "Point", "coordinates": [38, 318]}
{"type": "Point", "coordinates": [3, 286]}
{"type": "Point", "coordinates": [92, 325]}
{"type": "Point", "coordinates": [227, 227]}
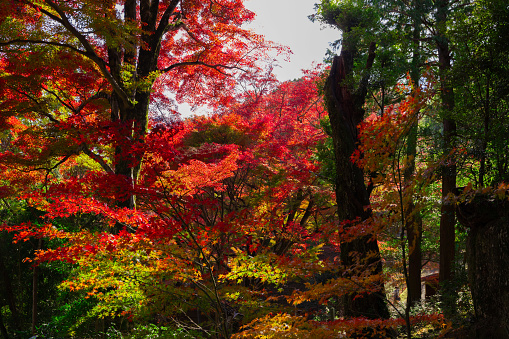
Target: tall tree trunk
{"type": "Point", "coordinates": [133, 116]}
{"type": "Point", "coordinates": [486, 130]}
{"type": "Point", "coordinates": [447, 219]}
{"type": "Point", "coordinates": [345, 108]}
{"type": "Point", "coordinates": [413, 217]}
{"type": "Point", "coordinates": [487, 257]}
{"type": "Point", "coordinates": [413, 225]}
{"type": "Point", "coordinates": [448, 213]}
{"type": "Point", "coordinates": [120, 115]}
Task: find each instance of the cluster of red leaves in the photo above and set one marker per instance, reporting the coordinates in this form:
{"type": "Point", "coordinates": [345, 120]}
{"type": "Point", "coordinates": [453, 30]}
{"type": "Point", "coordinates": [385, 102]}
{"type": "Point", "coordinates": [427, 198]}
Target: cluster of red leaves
{"type": "Point", "coordinates": [244, 179]}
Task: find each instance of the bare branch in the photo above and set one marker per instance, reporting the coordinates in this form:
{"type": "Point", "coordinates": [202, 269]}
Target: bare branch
{"type": "Point", "coordinates": [49, 169]}
{"type": "Point", "coordinates": [163, 23]}
{"type": "Point", "coordinates": [217, 67]}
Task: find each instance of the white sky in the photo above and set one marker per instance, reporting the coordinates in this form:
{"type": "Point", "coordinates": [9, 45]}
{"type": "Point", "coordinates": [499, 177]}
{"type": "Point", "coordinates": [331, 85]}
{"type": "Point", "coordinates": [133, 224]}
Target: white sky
{"type": "Point", "coordinates": [286, 22]}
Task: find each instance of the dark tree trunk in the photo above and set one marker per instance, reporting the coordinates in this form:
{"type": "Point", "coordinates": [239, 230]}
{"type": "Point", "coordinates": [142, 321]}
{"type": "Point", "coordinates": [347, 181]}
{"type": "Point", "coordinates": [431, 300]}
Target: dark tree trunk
{"type": "Point", "coordinates": [414, 237]}
{"type": "Point", "coordinates": [344, 105]}
{"type": "Point", "coordinates": [413, 225]}
{"type": "Point", "coordinates": [487, 258]}
{"type": "Point", "coordinates": [132, 113]}
{"type": "Point", "coordinates": [120, 114]}
{"type": "Point", "coordinates": [3, 330]}
{"type": "Point", "coordinates": [413, 219]}
{"type": "Point", "coordinates": [447, 218]}
{"type": "Point", "coordinates": [486, 130]}
{"type": "Point", "coordinates": [9, 293]}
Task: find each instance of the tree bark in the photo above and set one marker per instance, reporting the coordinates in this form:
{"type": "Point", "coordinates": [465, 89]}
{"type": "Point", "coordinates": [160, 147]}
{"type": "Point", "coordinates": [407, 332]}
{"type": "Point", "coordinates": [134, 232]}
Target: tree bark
{"type": "Point", "coordinates": [487, 258]}
{"type": "Point", "coordinates": [345, 108]}
{"type": "Point", "coordinates": [133, 116]}
{"type": "Point", "coordinates": [413, 217]}
{"type": "Point", "coordinates": [413, 227]}
{"type": "Point", "coordinates": [447, 218]}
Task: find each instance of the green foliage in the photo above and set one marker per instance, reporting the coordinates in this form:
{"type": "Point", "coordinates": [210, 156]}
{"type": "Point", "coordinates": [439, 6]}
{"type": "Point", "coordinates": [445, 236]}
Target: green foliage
{"type": "Point", "coordinates": [481, 78]}
{"type": "Point", "coordinates": [225, 252]}
{"type": "Point", "coordinates": [222, 134]}
{"type": "Point", "coordinates": [16, 285]}
{"type": "Point", "coordinates": [262, 266]}
{"type": "Point", "coordinates": [69, 317]}
{"type": "Point", "coordinates": [347, 15]}
{"type": "Point", "coordinates": [152, 331]}
{"type": "Point", "coordinates": [132, 83]}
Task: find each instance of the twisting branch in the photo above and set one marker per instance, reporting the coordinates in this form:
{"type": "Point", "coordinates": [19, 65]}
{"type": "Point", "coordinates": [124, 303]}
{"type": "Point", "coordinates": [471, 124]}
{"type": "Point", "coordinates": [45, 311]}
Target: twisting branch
{"type": "Point", "coordinates": [97, 158]}
{"type": "Point", "coordinates": [98, 95]}
{"type": "Point", "coordinates": [163, 23]}
{"type": "Point", "coordinates": [42, 42]}
{"type": "Point", "coordinates": [51, 168]}
{"type": "Point", "coordinates": [217, 67]}
{"type": "Point", "coordinates": [58, 98]}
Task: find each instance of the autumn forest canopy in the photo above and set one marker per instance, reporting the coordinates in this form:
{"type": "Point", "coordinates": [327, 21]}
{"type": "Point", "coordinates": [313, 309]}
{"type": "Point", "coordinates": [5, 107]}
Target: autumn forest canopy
{"type": "Point", "coordinates": [366, 199]}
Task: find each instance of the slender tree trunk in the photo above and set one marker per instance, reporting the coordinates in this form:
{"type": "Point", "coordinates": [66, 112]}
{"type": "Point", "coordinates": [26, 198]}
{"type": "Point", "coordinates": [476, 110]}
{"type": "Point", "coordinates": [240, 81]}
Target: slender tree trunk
{"type": "Point", "coordinates": [35, 282]}
{"type": "Point", "coordinates": [447, 220]}
{"type": "Point", "coordinates": [345, 108]}
{"type": "Point", "coordinates": [448, 214]}
{"type": "Point", "coordinates": [9, 291]}
{"type": "Point", "coordinates": [447, 217]}
{"type": "Point", "coordinates": [413, 217]}
{"type": "Point", "coordinates": [413, 226]}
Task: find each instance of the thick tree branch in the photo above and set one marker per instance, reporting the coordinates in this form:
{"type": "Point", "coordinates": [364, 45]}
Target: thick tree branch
{"type": "Point", "coordinates": [360, 93]}
{"type": "Point", "coordinates": [97, 158]}
{"type": "Point", "coordinates": [164, 22]}
{"type": "Point", "coordinates": [90, 52]}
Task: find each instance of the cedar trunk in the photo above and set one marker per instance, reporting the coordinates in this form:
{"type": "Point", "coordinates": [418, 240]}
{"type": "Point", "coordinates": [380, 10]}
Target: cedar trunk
{"type": "Point", "coordinates": [413, 224]}
{"type": "Point", "coordinates": [344, 105]}
{"type": "Point", "coordinates": [487, 258]}
{"type": "Point", "coordinates": [413, 219]}
{"type": "Point", "coordinates": [447, 218]}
